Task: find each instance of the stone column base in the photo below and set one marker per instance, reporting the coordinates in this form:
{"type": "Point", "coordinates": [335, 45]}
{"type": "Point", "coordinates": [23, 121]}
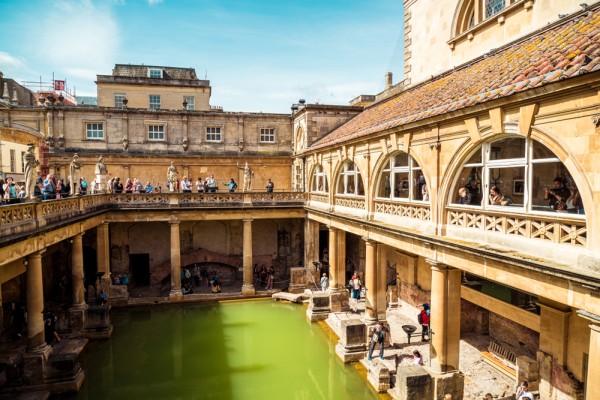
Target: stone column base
{"type": "Point", "coordinates": [98, 324]}
{"type": "Point", "coordinates": [77, 318]}
{"type": "Point", "coordinates": [318, 308]}
{"type": "Point", "coordinates": [352, 346]}
{"type": "Point", "coordinates": [338, 301]}
{"type": "Point", "coordinates": [413, 382]}
{"type": "Point", "coordinates": [248, 290]}
{"type": "Point", "coordinates": [35, 364]}
{"type": "Point", "coordinates": [379, 377]}
{"type": "Point", "coordinates": [176, 295]}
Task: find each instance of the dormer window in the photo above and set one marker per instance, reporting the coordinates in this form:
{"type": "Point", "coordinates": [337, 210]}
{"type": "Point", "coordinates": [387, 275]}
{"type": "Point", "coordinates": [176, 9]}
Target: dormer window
{"type": "Point", "coordinates": [155, 73]}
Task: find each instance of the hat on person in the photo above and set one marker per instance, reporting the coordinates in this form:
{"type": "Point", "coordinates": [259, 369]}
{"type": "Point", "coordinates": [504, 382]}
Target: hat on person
{"type": "Point", "coordinates": [425, 306]}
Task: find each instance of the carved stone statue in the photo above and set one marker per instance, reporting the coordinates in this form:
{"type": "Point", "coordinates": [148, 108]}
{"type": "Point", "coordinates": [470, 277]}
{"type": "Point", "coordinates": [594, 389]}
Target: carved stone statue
{"type": "Point", "coordinates": [75, 169]}
{"type": "Point", "coordinates": [172, 176]}
{"type": "Point", "coordinates": [248, 174]}
{"type": "Point", "coordinates": [30, 171]}
{"type": "Point", "coordinates": [100, 167]}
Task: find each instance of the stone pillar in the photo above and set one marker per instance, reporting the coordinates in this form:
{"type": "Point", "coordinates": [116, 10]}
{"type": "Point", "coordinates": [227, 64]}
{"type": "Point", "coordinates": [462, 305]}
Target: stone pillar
{"type": "Point", "coordinates": [103, 245]}
{"type": "Point", "coordinates": [77, 271]}
{"type": "Point", "coordinates": [339, 299]}
{"type": "Point", "coordinates": [381, 285]}
{"type": "Point", "coordinates": [445, 317]}
{"type": "Point", "coordinates": [554, 328]}
{"type": "Point", "coordinates": [1, 311]}
{"type": "Point", "coordinates": [311, 243]}
{"type": "Point", "coordinates": [371, 279]}
{"type": "Point", "coordinates": [35, 304]}
{"type": "Point", "coordinates": [248, 287]}
{"type": "Point", "coordinates": [593, 369]}
{"type": "Point", "coordinates": [176, 293]}
{"type": "Point", "coordinates": [333, 259]}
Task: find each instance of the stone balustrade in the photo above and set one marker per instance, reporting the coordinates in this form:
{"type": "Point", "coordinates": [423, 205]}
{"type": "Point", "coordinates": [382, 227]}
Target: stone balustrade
{"type": "Point", "coordinates": [25, 217]}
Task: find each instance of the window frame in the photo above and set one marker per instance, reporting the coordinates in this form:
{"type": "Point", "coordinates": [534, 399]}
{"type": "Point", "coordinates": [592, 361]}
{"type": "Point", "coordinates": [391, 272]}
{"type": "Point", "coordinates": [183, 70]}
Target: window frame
{"type": "Point", "coordinates": [152, 104]}
{"type": "Point", "coordinates": [13, 160]}
{"type": "Point", "coordinates": [345, 173]}
{"type": "Point", "coordinates": [160, 132]}
{"type": "Point", "coordinates": [219, 133]}
{"type": "Point", "coordinates": [122, 96]}
{"type": "Point", "coordinates": [190, 102]}
{"type": "Point", "coordinates": [90, 130]}
{"type": "Point", "coordinates": [319, 176]}
{"type": "Point", "coordinates": [527, 163]}
{"type": "Point", "coordinates": [152, 71]}
{"type": "Point", "coordinates": [412, 168]}
{"type": "Point", "coordinates": [267, 133]}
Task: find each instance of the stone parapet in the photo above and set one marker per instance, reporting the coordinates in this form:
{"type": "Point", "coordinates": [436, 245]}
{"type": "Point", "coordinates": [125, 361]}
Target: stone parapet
{"type": "Point", "coordinates": [319, 307]}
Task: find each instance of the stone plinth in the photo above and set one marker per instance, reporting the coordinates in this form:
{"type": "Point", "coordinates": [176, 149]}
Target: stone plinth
{"type": "Point", "coordinates": [298, 279]}
{"type": "Point", "coordinates": [77, 319]}
{"type": "Point", "coordinates": [318, 308]}
{"type": "Point", "coordinates": [338, 300]}
{"type": "Point", "coordinates": [528, 370]}
{"type": "Point", "coordinates": [379, 377]}
{"type": "Point", "coordinates": [413, 382]}
{"type": "Point", "coordinates": [34, 366]}
{"type": "Point", "coordinates": [248, 290]}
{"type": "Point", "coordinates": [352, 346]}
{"type": "Point", "coordinates": [118, 294]}
{"type": "Point", "coordinates": [450, 383]}
{"type": "Point", "coordinates": [98, 323]}
{"type": "Point", "coordinates": [101, 180]}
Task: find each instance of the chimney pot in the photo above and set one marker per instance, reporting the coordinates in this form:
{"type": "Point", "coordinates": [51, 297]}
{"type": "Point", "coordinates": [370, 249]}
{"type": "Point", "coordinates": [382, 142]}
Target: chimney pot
{"type": "Point", "coordinates": [388, 80]}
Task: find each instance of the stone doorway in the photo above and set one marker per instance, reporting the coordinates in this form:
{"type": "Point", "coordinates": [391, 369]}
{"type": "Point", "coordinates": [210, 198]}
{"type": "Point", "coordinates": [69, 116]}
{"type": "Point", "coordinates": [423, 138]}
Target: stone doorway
{"type": "Point", "coordinates": [140, 268]}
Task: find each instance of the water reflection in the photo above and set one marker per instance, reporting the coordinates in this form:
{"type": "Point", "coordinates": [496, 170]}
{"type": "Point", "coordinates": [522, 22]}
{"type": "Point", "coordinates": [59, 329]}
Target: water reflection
{"type": "Point", "coordinates": [232, 351]}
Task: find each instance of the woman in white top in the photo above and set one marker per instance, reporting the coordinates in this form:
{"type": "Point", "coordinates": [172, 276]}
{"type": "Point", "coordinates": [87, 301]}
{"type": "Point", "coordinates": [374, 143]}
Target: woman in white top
{"type": "Point", "coordinates": [417, 358]}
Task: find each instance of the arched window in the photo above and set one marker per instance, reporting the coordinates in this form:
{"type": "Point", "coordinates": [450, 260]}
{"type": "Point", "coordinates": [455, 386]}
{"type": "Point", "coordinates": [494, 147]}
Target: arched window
{"type": "Point", "coordinates": [470, 13]}
{"type": "Point", "coordinates": [519, 173]}
{"type": "Point", "coordinates": [494, 7]}
{"type": "Point", "coordinates": [350, 182]}
{"type": "Point", "coordinates": [402, 179]}
{"type": "Point", "coordinates": [319, 183]}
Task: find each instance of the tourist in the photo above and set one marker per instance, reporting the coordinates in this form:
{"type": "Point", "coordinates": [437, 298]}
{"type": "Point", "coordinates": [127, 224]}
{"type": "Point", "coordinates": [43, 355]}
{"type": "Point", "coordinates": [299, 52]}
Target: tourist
{"type": "Point", "coordinates": [22, 194]}
{"type": "Point", "coordinates": [199, 185]}
{"type": "Point", "coordinates": [18, 320]}
{"type": "Point", "coordinates": [424, 319]}
{"type": "Point", "coordinates": [495, 196]}
{"type": "Point", "coordinates": [211, 184]}
{"type": "Point", "coordinates": [488, 396]}
{"type": "Point", "coordinates": [558, 192]}
{"type": "Point", "coordinates": [158, 188]}
{"type": "Point", "coordinates": [417, 358]}
{"type": "Point", "coordinates": [270, 277]}
{"type": "Point", "coordinates": [204, 275]}
{"type": "Point", "coordinates": [125, 278]}
{"type": "Point", "coordinates": [103, 297]}
{"type": "Point", "coordinates": [118, 186]}
{"type": "Point", "coordinates": [49, 189]}
{"type": "Point", "coordinates": [83, 186]}
{"type": "Point", "coordinates": [270, 186]}
{"type": "Point", "coordinates": [95, 187]}
{"type": "Point", "coordinates": [137, 186]}
{"type": "Point", "coordinates": [186, 186]}
{"type": "Point", "coordinates": [196, 275]}
{"type": "Point", "coordinates": [231, 185]}
{"type": "Point", "coordinates": [378, 333]}
{"type": "Point", "coordinates": [109, 185]}
{"type": "Point", "coordinates": [216, 284]}
{"type": "Point", "coordinates": [59, 188]}
{"type": "Point", "coordinates": [128, 186]}
{"type": "Point", "coordinates": [523, 392]}
{"type": "Point", "coordinates": [263, 276]}
{"type": "Point", "coordinates": [50, 333]}
{"type": "Point", "coordinates": [148, 188]}
{"type": "Point", "coordinates": [2, 192]}
{"type": "Point", "coordinates": [574, 203]}
{"type": "Point", "coordinates": [324, 282]}
{"type": "Point", "coordinates": [10, 191]}
{"type": "Point", "coordinates": [355, 286]}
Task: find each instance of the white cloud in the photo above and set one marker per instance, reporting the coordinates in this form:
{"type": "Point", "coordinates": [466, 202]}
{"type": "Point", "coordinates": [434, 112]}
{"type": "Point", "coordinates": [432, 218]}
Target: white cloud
{"type": "Point", "coordinates": [10, 62]}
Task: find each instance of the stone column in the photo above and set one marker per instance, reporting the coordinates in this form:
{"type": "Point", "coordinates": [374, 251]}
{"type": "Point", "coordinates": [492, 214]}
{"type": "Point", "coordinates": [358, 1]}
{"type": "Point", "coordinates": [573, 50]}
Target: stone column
{"type": "Point", "coordinates": [554, 329]}
{"type": "Point", "coordinates": [333, 259]}
{"type": "Point", "coordinates": [1, 311]}
{"type": "Point", "coordinates": [77, 271]}
{"type": "Point", "coordinates": [35, 304]}
{"type": "Point", "coordinates": [176, 293]}
{"type": "Point", "coordinates": [248, 287]}
{"type": "Point", "coordinates": [593, 369]}
{"type": "Point", "coordinates": [371, 279]}
{"type": "Point", "coordinates": [341, 259]}
{"type": "Point", "coordinates": [103, 245]}
{"type": "Point", "coordinates": [311, 243]}
{"type": "Point", "coordinates": [338, 296]}
{"type": "Point", "coordinates": [381, 285]}
{"type": "Point", "coordinates": [445, 317]}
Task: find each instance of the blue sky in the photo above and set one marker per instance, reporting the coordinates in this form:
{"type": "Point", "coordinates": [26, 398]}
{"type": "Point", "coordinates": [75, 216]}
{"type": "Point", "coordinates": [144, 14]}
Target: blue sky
{"type": "Point", "coordinates": [260, 55]}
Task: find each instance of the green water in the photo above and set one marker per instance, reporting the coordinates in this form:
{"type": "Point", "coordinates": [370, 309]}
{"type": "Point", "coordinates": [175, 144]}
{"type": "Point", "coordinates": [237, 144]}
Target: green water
{"type": "Point", "coordinates": [238, 350]}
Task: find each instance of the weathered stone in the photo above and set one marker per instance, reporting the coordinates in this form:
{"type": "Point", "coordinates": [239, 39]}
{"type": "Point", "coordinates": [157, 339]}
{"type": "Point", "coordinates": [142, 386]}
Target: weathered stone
{"type": "Point", "coordinates": [298, 279]}
{"type": "Point", "coordinates": [379, 377]}
{"type": "Point", "coordinates": [338, 301]}
{"type": "Point", "coordinates": [352, 346]}
{"type": "Point", "coordinates": [527, 369]}
{"type": "Point", "coordinates": [318, 308]}
{"type": "Point", "coordinates": [413, 382]}
{"type": "Point", "coordinates": [451, 383]}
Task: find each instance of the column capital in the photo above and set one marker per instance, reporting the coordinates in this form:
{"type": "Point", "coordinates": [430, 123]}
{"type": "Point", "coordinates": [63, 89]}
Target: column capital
{"type": "Point", "coordinates": [247, 219]}
{"type": "Point", "coordinates": [438, 265]}
{"type": "Point", "coordinates": [332, 228]}
{"type": "Point", "coordinates": [369, 241]}
{"type": "Point", "coordinates": [37, 254]}
{"type": "Point", "coordinates": [174, 221]}
{"type": "Point", "coordinates": [80, 234]}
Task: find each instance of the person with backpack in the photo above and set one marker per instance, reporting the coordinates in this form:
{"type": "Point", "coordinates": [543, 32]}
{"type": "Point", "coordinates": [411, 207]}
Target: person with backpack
{"type": "Point", "coordinates": [378, 333]}
{"type": "Point", "coordinates": [424, 319]}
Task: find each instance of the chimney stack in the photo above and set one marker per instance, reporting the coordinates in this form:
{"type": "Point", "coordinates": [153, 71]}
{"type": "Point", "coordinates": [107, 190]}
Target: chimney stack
{"type": "Point", "coordinates": [388, 81]}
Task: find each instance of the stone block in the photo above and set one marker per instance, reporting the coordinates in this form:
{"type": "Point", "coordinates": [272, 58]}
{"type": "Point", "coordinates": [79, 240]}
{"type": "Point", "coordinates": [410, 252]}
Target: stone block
{"type": "Point", "coordinates": [528, 369]}
{"type": "Point", "coordinates": [413, 382]}
{"type": "Point", "coordinates": [451, 383]}
{"type": "Point", "coordinates": [379, 377]}
{"type": "Point", "coordinates": [77, 319]}
{"type": "Point", "coordinates": [352, 346]}
{"type": "Point", "coordinates": [338, 301]}
{"type": "Point", "coordinates": [98, 324]}
{"type": "Point", "coordinates": [34, 366]}
{"type": "Point", "coordinates": [298, 279]}
{"type": "Point", "coordinates": [318, 308]}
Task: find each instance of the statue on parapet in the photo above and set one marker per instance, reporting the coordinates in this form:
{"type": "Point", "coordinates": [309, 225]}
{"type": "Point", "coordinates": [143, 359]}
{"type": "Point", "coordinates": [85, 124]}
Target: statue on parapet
{"type": "Point", "coordinates": [172, 174]}
{"type": "Point", "coordinates": [31, 165]}
{"type": "Point", "coordinates": [75, 170]}
{"type": "Point", "coordinates": [248, 174]}
{"type": "Point", "coordinates": [100, 167]}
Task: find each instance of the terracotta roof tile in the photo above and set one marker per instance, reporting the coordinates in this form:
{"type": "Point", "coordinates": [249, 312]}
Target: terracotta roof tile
{"type": "Point", "coordinates": [564, 51]}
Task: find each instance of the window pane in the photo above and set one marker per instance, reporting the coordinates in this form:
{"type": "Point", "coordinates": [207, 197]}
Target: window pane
{"type": "Point", "coordinates": [401, 160]}
{"type": "Point", "coordinates": [419, 188]}
{"type": "Point", "coordinates": [510, 186]}
{"type": "Point", "coordinates": [385, 185]}
{"type": "Point", "coordinates": [507, 148]}
{"type": "Point", "coordinates": [475, 158]}
{"type": "Point", "coordinates": [401, 185]}
{"type": "Point", "coordinates": [361, 188]}
{"type": "Point", "coordinates": [493, 7]}
{"type": "Point", "coordinates": [350, 186]}
{"type": "Point", "coordinates": [468, 190]}
{"type": "Point", "coordinates": [544, 175]}
{"type": "Point", "coordinates": [541, 152]}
